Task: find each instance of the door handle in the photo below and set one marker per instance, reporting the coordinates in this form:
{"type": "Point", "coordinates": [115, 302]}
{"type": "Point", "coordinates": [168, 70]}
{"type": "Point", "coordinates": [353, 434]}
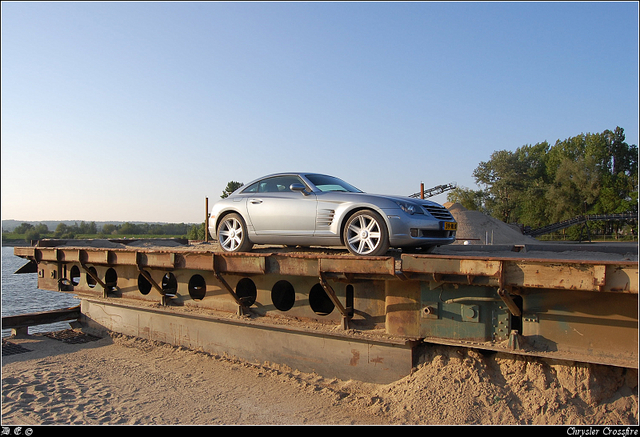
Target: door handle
{"type": "Point", "coordinates": [255, 201]}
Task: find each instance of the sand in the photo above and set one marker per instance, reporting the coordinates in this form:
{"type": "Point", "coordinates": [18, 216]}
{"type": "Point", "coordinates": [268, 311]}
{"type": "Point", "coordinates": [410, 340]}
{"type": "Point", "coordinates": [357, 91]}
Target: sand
{"type": "Point", "coordinates": [121, 380]}
{"type": "Point", "coordinates": [478, 228]}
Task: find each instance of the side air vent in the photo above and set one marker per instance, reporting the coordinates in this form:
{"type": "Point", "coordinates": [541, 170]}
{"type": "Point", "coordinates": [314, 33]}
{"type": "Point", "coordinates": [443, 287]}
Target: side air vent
{"type": "Point", "coordinates": [325, 217]}
{"type": "Point", "coordinates": [438, 212]}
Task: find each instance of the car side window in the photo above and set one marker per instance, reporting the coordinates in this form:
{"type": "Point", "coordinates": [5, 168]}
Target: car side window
{"type": "Point", "coordinates": [277, 184]}
{"type": "Point", "coordinates": [253, 188]}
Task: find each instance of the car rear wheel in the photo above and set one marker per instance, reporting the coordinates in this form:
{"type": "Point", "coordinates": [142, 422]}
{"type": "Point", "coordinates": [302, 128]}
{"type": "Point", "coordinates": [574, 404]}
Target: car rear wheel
{"type": "Point", "coordinates": [232, 234]}
{"type": "Point", "coordinates": [365, 233]}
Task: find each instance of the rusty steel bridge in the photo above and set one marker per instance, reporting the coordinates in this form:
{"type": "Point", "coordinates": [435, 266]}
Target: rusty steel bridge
{"type": "Point", "coordinates": [338, 315]}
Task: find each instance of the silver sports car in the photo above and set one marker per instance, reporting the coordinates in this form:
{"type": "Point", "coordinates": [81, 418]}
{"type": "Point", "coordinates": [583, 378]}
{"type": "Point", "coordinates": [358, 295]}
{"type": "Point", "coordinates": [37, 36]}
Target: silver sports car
{"type": "Point", "coordinates": [307, 209]}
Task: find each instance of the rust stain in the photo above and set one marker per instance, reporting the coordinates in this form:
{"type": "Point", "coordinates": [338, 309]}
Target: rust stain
{"type": "Point", "coordinates": [355, 358]}
{"type": "Point", "coordinates": [377, 360]}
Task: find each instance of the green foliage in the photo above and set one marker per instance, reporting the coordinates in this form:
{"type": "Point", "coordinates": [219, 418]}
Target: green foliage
{"type": "Point", "coordinates": [542, 184]}
{"type": "Point", "coordinates": [470, 199]}
{"type": "Point", "coordinates": [157, 229]}
{"type": "Point", "coordinates": [231, 187]}
{"type": "Point", "coordinates": [70, 231]}
{"type": "Point", "coordinates": [23, 228]}
{"type": "Point", "coordinates": [28, 232]}
{"type": "Point", "coordinates": [197, 232]}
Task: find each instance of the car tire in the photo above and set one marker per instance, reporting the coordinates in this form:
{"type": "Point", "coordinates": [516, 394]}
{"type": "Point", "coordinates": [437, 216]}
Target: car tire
{"type": "Point", "coordinates": [232, 234]}
{"type": "Point", "coordinates": [365, 234]}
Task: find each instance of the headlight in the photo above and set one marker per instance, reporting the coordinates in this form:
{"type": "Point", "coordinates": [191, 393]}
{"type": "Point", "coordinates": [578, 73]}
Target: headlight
{"type": "Point", "coordinates": [410, 208]}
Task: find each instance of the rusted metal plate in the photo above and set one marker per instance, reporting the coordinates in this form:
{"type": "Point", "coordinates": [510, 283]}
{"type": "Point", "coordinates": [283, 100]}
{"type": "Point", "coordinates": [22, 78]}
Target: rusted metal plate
{"type": "Point", "coordinates": [359, 265]}
{"type": "Point", "coordinates": [595, 327]}
{"type": "Point", "coordinates": [402, 308]}
{"type": "Point", "coordinates": [531, 273]}
{"type": "Point", "coordinates": [295, 265]}
{"type": "Point", "coordinates": [24, 251]}
{"type": "Point", "coordinates": [162, 260]}
{"type": "Point", "coordinates": [41, 318]}
{"type": "Point", "coordinates": [122, 257]}
{"type": "Point", "coordinates": [240, 263]}
{"type": "Point", "coordinates": [69, 255]}
{"type": "Point", "coordinates": [46, 254]}
{"type": "Point", "coordinates": [95, 256]}
{"type": "Point", "coordinates": [563, 276]}
{"type": "Point", "coordinates": [450, 266]}
{"type": "Point", "coordinates": [195, 261]}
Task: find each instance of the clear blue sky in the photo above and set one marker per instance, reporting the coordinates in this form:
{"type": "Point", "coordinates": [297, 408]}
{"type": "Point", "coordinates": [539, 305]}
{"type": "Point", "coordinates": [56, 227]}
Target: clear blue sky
{"type": "Point", "coordinates": [138, 111]}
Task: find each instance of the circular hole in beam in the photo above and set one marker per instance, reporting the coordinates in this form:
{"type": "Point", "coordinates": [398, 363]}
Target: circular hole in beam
{"type": "Point", "coordinates": [320, 303]}
{"type": "Point", "coordinates": [90, 281]}
{"type": "Point", "coordinates": [111, 279]}
{"type": "Point", "coordinates": [197, 287]}
{"type": "Point", "coordinates": [75, 275]}
{"type": "Point", "coordinates": [247, 291]}
{"type": "Point", "coordinates": [170, 284]}
{"type": "Point", "coordinates": [143, 285]}
{"type": "Point", "coordinates": [283, 295]}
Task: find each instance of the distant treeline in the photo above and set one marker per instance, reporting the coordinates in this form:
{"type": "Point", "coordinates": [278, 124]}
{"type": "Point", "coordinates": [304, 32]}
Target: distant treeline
{"type": "Point", "coordinates": [543, 184]}
{"type": "Point", "coordinates": [28, 231]}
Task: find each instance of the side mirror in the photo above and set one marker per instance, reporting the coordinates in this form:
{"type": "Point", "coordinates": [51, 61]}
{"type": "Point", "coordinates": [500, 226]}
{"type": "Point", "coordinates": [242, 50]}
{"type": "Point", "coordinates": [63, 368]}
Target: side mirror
{"type": "Point", "coordinates": [299, 187]}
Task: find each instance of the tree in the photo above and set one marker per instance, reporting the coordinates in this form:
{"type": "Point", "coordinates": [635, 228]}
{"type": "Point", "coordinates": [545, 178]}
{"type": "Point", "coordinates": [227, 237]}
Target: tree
{"type": "Point", "coordinates": [621, 179]}
{"type": "Point", "coordinates": [31, 235]}
{"type": "Point", "coordinates": [611, 165]}
{"type": "Point", "coordinates": [621, 157]}
{"type": "Point", "coordinates": [36, 232]}
{"type": "Point", "coordinates": [197, 232]}
{"type": "Point", "coordinates": [64, 231]}
{"type": "Point", "coordinates": [468, 198]}
{"type": "Point", "coordinates": [23, 228]}
{"type": "Point", "coordinates": [541, 184]}
{"type": "Point", "coordinates": [502, 177]}
{"type": "Point", "coordinates": [108, 228]}
{"type": "Point", "coordinates": [41, 228]}
{"type": "Point", "coordinates": [128, 228]}
{"type": "Point", "coordinates": [231, 187]}
{"type": "Point", "coordinates": [575, 189]}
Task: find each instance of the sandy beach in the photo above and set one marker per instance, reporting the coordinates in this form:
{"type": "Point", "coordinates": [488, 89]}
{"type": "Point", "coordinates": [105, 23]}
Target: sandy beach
{"type": "Point", "coordinates": [121, 380]}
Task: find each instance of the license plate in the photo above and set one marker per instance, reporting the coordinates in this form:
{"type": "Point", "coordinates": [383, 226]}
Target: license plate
{"type": "Point", "coordinates": [449, 226]}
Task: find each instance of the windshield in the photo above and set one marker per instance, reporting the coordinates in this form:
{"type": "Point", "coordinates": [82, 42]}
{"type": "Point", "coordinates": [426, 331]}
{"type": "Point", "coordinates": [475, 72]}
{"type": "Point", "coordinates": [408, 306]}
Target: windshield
{"type": "Point", "coordinates": [329, 183]}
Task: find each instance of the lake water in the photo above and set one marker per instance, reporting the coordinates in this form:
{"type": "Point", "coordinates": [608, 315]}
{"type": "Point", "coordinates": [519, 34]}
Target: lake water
{"type": "Point", "coordinates": [20, 294]}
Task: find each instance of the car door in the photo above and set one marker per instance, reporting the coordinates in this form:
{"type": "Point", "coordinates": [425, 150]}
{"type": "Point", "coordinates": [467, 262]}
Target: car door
{"type": "Point", "coordinates": [275, 210]}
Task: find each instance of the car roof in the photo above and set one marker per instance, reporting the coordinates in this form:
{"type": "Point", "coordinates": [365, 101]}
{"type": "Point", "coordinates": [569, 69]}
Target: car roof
{"type": "Point", "coordinates": [285, 173]}
{"type": "Point", "coordinates": [290, 173]}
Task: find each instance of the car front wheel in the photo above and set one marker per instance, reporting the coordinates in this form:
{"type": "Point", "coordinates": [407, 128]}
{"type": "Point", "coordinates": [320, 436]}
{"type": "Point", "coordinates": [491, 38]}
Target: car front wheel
{"type": "Point", "coordinates": [365, 233]}
{"type": "Point", "coordinates": [232, 234]}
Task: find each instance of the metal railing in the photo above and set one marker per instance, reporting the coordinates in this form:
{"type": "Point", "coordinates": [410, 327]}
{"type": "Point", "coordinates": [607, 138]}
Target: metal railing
{"type": "Point", "coordinates": [434, 191]}
{"type": "Point", "coordinates": [579, 220]}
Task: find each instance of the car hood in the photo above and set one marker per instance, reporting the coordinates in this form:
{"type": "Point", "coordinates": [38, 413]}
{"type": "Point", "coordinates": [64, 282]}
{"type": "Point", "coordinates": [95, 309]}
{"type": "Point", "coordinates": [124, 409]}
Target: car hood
{"type": "Point", "coordinates": [405, 199]}
{"type": "Point", "coordinates": [378, 199]}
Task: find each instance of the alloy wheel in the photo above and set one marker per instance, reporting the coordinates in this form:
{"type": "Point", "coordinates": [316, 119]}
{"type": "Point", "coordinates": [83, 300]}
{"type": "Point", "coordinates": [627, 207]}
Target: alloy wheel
{"type": "Point", "coordinates": [366, 234]}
